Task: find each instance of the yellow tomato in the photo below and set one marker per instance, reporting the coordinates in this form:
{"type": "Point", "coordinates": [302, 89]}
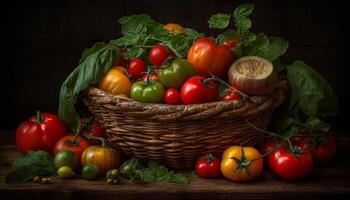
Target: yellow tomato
{"type": "Point", "coordinates": [241, 167]}
{"type": "Point", "coordinates": [173, 28]}
{"type": "Point", "coordinates": [116, 81]}
{"type": "Point", "coordinates": [105, 158]}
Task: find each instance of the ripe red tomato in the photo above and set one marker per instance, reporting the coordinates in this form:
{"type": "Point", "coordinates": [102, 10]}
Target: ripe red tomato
{"type": "Point", "coordinates": [208, 166]}
{"type": "Point", "coordinates": [93, 129]}
{"type": "Point", "coordinates": [136, 68]}
{"type": "Point", "coordinates": [40, 132]}
{"type": "Point", "coordinates": [231, 96]}
{"type": "Point", "coordinates": [195, 91]}
{"type": "Point", "coordinates": [291, 166]}
{"type": "Point", "coordinates": [159, 53]}
{"type": "Point", "coordinates": [67, 142]}
{"type": "Point", "coordinates": [172, 96]}
{"type": "Point", "coordinates": [206, 56]}
{"type": "Point", "coordinates": [268, 146]}
{"type": "Point", "coordinates": [322, 149]}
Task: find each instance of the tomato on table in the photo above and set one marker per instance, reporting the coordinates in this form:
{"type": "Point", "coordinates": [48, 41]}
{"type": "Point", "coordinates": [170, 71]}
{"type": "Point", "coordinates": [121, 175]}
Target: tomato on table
{"type": "Point", "coordinates": [208, 166]}
{"type": "Point", "coordinates": [40, 132]}
{"type": "Point", "coordinates": [322, 148]}
{"type": "Point", "coordinates": [291, 164]}
{"type": "Point", "coordinates": [76, 144]}
{"type": "Point", "coordinates": [241, 163]}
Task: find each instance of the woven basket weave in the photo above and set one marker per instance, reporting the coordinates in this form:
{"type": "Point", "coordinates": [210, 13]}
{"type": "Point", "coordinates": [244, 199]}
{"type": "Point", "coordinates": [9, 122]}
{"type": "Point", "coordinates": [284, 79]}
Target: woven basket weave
{"type": "Point", "coordinates": [175, 135]}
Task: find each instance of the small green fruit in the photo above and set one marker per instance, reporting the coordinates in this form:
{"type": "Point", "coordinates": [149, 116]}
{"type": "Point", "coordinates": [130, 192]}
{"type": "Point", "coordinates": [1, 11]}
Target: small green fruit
{"type": "Point", "coordinates": [90, 172]}
{"type": "Point", "coordinates": [66, 158]}
{"type": "Point", "coordinates": [66, 172]}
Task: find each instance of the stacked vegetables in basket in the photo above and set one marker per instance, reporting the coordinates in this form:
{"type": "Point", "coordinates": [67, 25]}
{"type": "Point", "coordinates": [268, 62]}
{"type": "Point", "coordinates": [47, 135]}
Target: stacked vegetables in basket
{"type": "Point", "coordinates": [156, 63]}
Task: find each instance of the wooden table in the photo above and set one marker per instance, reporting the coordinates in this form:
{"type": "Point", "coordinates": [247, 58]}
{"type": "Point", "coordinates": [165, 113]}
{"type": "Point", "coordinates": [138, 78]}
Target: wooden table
{"type": "Point", "coordinates": [329, 182]}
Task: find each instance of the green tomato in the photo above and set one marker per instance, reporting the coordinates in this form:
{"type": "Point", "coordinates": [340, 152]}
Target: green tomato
{"type": "Point", "coordinates": [175, 74]}
{"type": "Point", "coordinates": [90, 172]}
{"type": "Point", "coordinates": [66, 158]}
{"type": "Point", "coordinates": [151, 92]}
{"type": "Point", "coordinates": [66, 172]}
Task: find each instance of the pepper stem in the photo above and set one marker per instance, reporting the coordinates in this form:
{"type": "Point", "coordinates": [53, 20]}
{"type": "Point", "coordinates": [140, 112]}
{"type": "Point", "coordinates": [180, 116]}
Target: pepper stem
{"type": "Point", "coordinates": [38, 118]}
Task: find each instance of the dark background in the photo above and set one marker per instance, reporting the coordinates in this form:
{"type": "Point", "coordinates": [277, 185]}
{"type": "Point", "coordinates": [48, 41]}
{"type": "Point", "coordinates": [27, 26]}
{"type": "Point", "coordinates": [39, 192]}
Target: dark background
{"type": "Point", "coordinates": [44, 41]}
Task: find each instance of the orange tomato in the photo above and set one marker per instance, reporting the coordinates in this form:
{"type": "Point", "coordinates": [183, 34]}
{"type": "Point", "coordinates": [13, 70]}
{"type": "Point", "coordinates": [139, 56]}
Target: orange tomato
{"type": "Point", "coordinates": [238, 163]}
{"type": "Point", "coordinates": [206, 56]}
{"type": "Point", "coordinates": [104, 157]}
{"type": "Point", "coordinates": [116, 81]}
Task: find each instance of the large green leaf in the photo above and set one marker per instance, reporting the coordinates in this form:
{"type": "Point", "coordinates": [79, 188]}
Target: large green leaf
{"type": "Point", "coordinates": [89, 72]}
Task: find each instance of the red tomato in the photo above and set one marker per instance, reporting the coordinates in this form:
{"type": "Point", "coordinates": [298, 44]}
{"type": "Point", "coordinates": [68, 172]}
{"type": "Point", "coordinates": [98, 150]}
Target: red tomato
{"type": "Point", "coordinates": [208, 166]}
{"type": "Point", "coordinates": [206, 56]}
{"type": "Point", "coordinates": [67, 143]}
{"type": "Point", "coordinates": [322, 149]}
{"type": "Point", "coordinates": [194, 91]}
{"type": "Point", "coordinates": [136, 68]}
{"type": "Point", "coordinates": [172, 96]}
{"type": "Point", "coordinates": [291, 166]}
{"type": "Point", "coordinates": [159, 53]}
{"type": "Point", "coordinates": [40, 132]}
{"type": "Point", "coordinates": [230, 44]}
{"type": "Point", "coordinates": [95, 130]}
{"type": "Point", "coordinates": [231, 96]}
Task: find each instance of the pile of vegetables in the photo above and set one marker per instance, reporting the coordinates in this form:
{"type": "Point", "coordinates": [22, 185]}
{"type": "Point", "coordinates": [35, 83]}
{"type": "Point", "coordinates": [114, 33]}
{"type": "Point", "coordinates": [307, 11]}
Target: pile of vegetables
{"type": "Point", "coordinates": [156, 63]}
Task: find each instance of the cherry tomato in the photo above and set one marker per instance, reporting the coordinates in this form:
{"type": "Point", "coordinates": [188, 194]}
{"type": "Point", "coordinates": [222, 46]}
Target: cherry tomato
{"type": "Point", "coordinates": [159, 53]}
{"type": "Point", "coordinates": [291, 165]}
{"type": "Point", "coordinates": [195, 91]}
{"type": "Point", "coordinates": [172, 96]}
{"type": "Point", "coordinates": [40, 132]}
{"type": "Point", "coordinates": [136, 68]}
{"type": "Point", "coordinates": [322, 148]}
{"type": "Point", "coordinates": [67, 142]}
{"type": "Point", "coordinates": [208, 166]}
{"type": "Point", "coordinates": [231, 96]}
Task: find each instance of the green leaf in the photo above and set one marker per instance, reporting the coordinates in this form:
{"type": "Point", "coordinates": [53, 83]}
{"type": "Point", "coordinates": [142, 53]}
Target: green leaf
{"type": "Point", "coordinates": [36, 158]}
{"type": "Point", "coordinates": [311, 93]}
{"type": "Point", "coordinates": [194, 35]}
{"type": "Point", "coordinates": [134, 52]}
{"type": "Point", "coordinates": [137, 24]}
{"type": "Point", "coordinates": [89, 72]}
{"type": "Point", "coordinates": [240, 16]}
{"type": "Point", "coordinates": [268, 48]}
{"type": "Point", "coordinates": [20, 175]}
{"type": "Point", "coordinates": [97, 46]}
{"type": "Point", "coordinates": [277, 47]}
{"type": "Point", "coordinates": [179, 178]}
{"type": "Point", "coordinates": [229, 34]}
{"type": "Point", "coordinates": [219, 21]}
{"type": "Point", "coordinates": [243, 11]}
{"type": "Point", "coordinates": [315, 125]}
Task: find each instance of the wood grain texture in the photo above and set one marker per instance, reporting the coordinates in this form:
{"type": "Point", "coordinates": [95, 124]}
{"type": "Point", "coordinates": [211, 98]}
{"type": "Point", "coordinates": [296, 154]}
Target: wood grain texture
{"type": "Point", "coordinates": [328, 182]}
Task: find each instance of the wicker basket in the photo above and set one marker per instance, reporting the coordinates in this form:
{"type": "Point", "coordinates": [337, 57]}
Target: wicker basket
{"type": "Point", "coordinates": [177, 135]}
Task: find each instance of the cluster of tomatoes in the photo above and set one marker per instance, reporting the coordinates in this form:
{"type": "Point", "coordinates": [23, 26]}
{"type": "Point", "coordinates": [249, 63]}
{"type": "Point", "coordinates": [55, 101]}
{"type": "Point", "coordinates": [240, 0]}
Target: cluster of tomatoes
{"type": "Point", "coordinates": [86, 149]}
{"type": "Point", "coordinates": [173, 80]}
{"type": "Point", "coordinates": [289, 160]}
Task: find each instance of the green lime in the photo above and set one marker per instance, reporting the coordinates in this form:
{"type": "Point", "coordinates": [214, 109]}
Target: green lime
{"type": "Point", "coordinates": [90, 172]}
{"type": "Point", "coordinates": [66, 172]}
{"type": "Point", "coordinates": [66, 158]}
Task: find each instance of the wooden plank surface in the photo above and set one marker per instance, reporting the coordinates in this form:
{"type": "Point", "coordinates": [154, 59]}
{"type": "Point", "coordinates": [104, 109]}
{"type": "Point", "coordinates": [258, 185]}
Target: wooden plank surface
{"type": "Point", "coordinates": [329, 182]}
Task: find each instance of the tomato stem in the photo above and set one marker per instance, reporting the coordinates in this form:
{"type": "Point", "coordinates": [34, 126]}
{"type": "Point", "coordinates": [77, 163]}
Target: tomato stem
{"type": "Point", "coordinates": [217, 79]}
{"type": "Point", "coordinates": [209, 158]}
{"type": "Point", "coordinates": [102, 140]}
{"type": "Point", "coordinates": [268, 153]}
{"type": "Point", "coordinates": [38, 118]}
